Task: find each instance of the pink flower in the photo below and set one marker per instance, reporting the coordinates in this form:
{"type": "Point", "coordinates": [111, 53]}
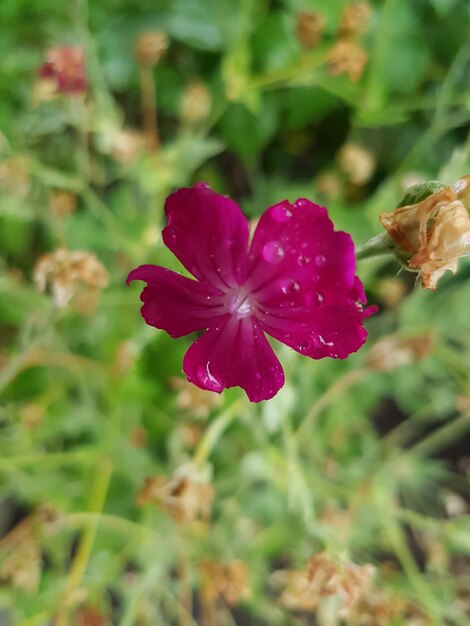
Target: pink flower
{"type": "Point", "coordinates": [65, 66]}
{"type": "Point", "coordinates": [295, 282]}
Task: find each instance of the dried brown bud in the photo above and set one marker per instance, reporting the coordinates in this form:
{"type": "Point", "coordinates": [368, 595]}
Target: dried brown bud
{"type": "Point", "coordinates": [347, 57]}
{"type": "Point", "coordinates": [126, 145]}
{"type": "Point", "coordinates": [357, 162]}
{"type": "Point", "coordinates": [227, 581]}
{"type": "Point", "coordinates": [71, 275]}
{"type": "Point", "coordinates": [151, 47]}
{"type": "Point", "coordinates": [354, 19]}
{"type": "Point", "coordinates": [310, 28]}
{"type": "Point", "coordinates": [329, 185]}
{"type": "Point", "coordinates": [63, 203]}
{"type": "Point", "coordinates": [434, 233]}
{"type": "Point", "coordinates": [185, 496]}
{"type": "Point", "coordinates": [394, 351]}
{"type": "Point", "coordinates": [326, 577]}
{"type": "Point", "coordinates": [196, 103]}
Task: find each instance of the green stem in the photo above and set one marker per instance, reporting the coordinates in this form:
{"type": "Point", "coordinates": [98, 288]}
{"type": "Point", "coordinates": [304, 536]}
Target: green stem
{"type": "Point", "coordinates": [444, 435]}
{"type": "Point", "coordinates": [379, 245]}
{"type": "Point", "coordinates": [80, 561]}
{"type": "Point", "coordinates": [215, 430]}
{"type": "Point", "coordinates": [340, 385]}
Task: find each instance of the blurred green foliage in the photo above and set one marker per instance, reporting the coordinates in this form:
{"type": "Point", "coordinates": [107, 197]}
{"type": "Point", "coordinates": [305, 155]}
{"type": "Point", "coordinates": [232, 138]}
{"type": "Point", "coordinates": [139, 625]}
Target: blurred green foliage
{"type": "Point", "coordinates": [367, 465]}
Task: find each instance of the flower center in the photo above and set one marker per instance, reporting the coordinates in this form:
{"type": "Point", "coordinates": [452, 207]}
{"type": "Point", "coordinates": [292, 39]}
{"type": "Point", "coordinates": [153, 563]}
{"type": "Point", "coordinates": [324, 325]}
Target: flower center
{"type": "Point", "coordinates": [238, 302]}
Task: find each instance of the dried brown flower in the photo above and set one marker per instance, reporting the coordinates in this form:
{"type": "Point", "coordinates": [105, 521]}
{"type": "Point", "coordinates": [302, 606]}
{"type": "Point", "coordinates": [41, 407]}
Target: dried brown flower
{"type": "Point", "coordinates": [227, 581]}
{"type": "Point", "coordinates": [394, 351]}
{"type": "Point", "coordinates": [196, 103]}
{"type": "Point", "coordinates": [325, 577]}
{"type": "Point", "coordinates": [186, 496]}
{"type": "Point", "coordinates": [376, 607]}
{"type": "Point", "coordinates": [348, 57]}
{"type": "Point", "coordinates": [71, 275]}
{"type": "Point", "coordinates": [357, 162]}
{"type": "Point", "coordinates": [150, 47]}
{"type": "Point", "coordinates": [192, 400]}
{"type": "Point", "coordinates": [354, 19]}
{"type": "Point", "coordinates": [126, 145]}
{"type": "Point", "coordinates": [63, 203]}
{"type": "Point", "coordinates": [14, 176]}
{"type": "Point", "coordinates": [309, 29]}
{"type": "Point", "coordinates": [434, 233]}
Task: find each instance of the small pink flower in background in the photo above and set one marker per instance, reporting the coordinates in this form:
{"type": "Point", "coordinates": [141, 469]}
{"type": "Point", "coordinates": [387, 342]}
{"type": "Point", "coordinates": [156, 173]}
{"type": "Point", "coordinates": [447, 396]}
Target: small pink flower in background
{"type": "Point", "coordinates": [295, 282]}
{"type": "Point", "coordinates": [65, 67]}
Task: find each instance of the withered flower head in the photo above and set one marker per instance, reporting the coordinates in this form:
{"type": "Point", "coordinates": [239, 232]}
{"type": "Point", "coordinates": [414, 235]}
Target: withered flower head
{"type": "Point", "coordinates": [196, 103]}
{"type": "Point", "coordinates": [326, 577]}
{"type": "Point", "coordinates": [357, 162]}
{"type": "Point", "coordinates": [309, 29]}
{"type": "Point", "coordinates": [434, 233]}
{"type": "Point", "coordinates": [71, 275]}
{"type": "Point", "coordinates": [150, 47]}
{"type": "Point", "coordinates": [354, 19]}
{"type": "Point", "coordinates": [227, 581]}
{"type": "Point", "coordinates": [186, 496]}
{"type": "Point", "coordinates": [63, 203]}
{"type": "Point", "coordinates": [347, 57]}
{"type": "Point", "coordinates": [394, 351]}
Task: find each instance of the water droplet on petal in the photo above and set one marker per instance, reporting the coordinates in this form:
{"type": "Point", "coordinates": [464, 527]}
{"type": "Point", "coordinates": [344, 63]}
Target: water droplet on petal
{"type": "Point", "coordinates": [304, 345]}
{"type": "Point", "coordinates": [207, 378]}
{"type": "Point", "coordinates": [258, 376]}
{"type": "Point", "coordinates": [320, 260]}
{"type": "Point", "coordinates": [318, 297]}
{"type": "Point", "coordinates": [289, 286]}
{"type": "Point", "coordinates": [303, 260]}
{"type": "Point", "coordinates": [281, 214]}
{"type": "Point", "coordinates": [273, 252]}
{"type": "Point", "coordinates": [301, 202]}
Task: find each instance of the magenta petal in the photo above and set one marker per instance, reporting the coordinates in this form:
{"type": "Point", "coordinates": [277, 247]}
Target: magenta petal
{"type": "Point", "coordinates": [236, 354]}
{"type": "Point", "coordinates": [297, 258]}
{"type": "Point", "coordinates": [177, 304]}
{"type": "Point", "coordinates": [331, 331]}
{"type": "Point", "coordinates": [209, 235]}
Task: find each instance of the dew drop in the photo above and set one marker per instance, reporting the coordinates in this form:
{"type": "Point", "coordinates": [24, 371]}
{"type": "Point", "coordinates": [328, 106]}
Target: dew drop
{"type": "Point", "coordinates": [303, 260]}
{"type": "Point", "coordinates": [273, 252]}
{"type": "Point", "coordinates": [289, 286]}
{"type": "Point", "coordinates": [258, 376]}
{"type": "Point", "coordinates": [318, 297]}
{"type": "Point", "coordinates": [281, 214]}
{"type": "Point", "coordinates": [207, 379]}
{"type": "Point", "coordinates": [304, 345]}
{"type": "Point", "coordinates": [320, 260]}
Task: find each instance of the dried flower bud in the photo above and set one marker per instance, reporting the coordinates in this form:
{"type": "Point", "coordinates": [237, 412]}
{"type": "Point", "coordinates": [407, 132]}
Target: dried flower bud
{"type": "Point", "coordinates": [433, 233]}
{"type": "Point", "coordinates": [227, 581]}
{"type": "Point", "coordinates": [347, 57]}
{"type": "Point", "coordinates": [14, 176]}
{"type": "Point", "coordinates": [297, 594]}
{"type": "Point", "coordinates": [151, 47]}
{"type": "Point", "coordinates": [377, 607]}
{"type": "Point", "coordinates": [126, 145]}
{"type": "Point", "coordinates": [357, 162]}
{"type": "Point", "coordinates": [70, 275]}
{"type": "Point", "coordinates": [186, 496]}
{"type": "Point", "coordinates": [65, 69]}
{"type": "Point", "coordinates": [354, 19]}
{"type": "Point", "coordinates": [310, 28]}
{"type": "Point", "coordinates": [63, 203]}
{"type": "Point", "coordinates": [329, 185]}
{"type": "Point", "coordinates": [394, 351]}
{"type": "Point", "coordinates": [196, 103]}
{"type": "Point", "coordinates": [326, 577]}
{"type": "Point", "coordinates": [193, 400]}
